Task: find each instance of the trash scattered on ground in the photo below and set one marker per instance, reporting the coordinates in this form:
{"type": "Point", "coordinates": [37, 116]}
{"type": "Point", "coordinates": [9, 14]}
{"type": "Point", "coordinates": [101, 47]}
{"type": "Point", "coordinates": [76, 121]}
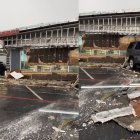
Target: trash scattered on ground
{"type": "Point", "coordinates": [16, 75]}
{"type": "Point", "coordinates": [51, 118]}
{"type": "Point", "coordinates": [58, 130]}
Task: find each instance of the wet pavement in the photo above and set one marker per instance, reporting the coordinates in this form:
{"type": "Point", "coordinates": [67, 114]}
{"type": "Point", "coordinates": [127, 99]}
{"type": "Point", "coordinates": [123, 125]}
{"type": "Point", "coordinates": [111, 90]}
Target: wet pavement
{"type": "Point", "coordinates": [107, 76]}
{"type": "Point", "coordinates": [21, 118]}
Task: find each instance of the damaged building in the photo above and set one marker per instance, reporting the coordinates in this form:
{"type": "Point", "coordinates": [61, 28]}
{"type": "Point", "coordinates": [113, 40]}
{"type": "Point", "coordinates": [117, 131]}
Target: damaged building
{"type": "Point", "coordinates": [105, 36]}
{"type": "Point", "coordinates": [107, 29]}
{"type": "Point", "coordinates": [42, 48]}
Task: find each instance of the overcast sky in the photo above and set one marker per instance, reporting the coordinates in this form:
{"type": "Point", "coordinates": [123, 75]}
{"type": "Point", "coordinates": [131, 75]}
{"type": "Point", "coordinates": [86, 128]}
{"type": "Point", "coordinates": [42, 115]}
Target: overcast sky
{"type": "Point", "coordinates": [21, 13]}
{"type": "Point", "coordinates": [107, 5]}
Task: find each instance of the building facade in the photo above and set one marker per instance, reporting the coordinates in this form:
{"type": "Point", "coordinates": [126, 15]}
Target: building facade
{"type": "Point", "coordinates": [37, 47]}
{"type": "Point", "coordinates": [108, 28]}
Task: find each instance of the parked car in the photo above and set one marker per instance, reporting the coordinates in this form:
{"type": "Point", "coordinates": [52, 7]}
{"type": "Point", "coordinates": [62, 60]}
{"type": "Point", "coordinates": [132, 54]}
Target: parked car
{"type": "Point", "coordinates": [2, 68]}
{"type": "Point", "coordinates": [133, 54]}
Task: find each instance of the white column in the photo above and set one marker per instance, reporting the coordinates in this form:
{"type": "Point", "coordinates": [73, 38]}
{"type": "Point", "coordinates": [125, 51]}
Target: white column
{"type": "Point", "coordinates": [46, 37]}
{"type": "Point", "coordinates": [74, 35]}
{"type": "Point", "coordinates": [103, 25]}
{"type": "Point", "coordinates": [116, 24]}
{"type": "Point", "coordinates": [25, 39]}
{"type": "Point", "coordinates": [126, 24]}
{"type": "Point", "coordinates": [84, 25]}
{"type": "Point", "coordinates": [57, 36]}
{"type": "Point", "coordinates": [40, 38]}
{"type": "Point", "coordinates": [130, 27]}
{"type": "Point", "coordinates": [12, 40]}
{"type": "Point", "coordinates": [61, 35]}
{"type": "Point", "coordinates": [30, 38]}
{"type": "Point", "coordinates": [93, 24]}
{"type": "Point", "coordinates": [88, 25]}
{"type": "Point", "coordinates": [51, 36]}
{"type": "Point", "coordinates": [121, 24]}
{"type": "Point", "coordinates": [108, 25]}
{"type": "Point", "coordinates": [35, 39]}
{"type": "Point", "coordinates": [135, 24]}
{"type": "Point", "coordinates": [98, 25]}
{"type": "Point", "coordinates": [111, 25]}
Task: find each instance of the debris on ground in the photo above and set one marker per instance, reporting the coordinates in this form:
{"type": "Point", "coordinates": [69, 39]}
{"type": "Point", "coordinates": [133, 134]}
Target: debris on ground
{"type": "Point", "coordinates": [51, 118]}
{"type": "Point", "coordinates": [117, 104]}
{"type": "Point", "coordinates": [58, 130]}
{"type": "Point", "coordinates": [16, 75]}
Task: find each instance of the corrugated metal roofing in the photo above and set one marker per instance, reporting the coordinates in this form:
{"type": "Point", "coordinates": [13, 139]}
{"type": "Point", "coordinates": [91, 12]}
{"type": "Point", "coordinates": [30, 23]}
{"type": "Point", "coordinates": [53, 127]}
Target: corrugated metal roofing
{"type": "Point", "coordinates": [45, 24]}
{"type": "Point", "coordinates": [110, 12]}
{"type": "Point", "coordinates": [39, 26]}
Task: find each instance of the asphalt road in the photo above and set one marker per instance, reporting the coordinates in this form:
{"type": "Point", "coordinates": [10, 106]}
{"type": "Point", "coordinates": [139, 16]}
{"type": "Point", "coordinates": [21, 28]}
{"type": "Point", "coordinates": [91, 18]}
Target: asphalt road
{"type": "Point", "coordinates": [107, 131]}
{"type": "Point", "coordinates": [21, 118]}
{"type": "Point", "coordinates": [103, 76]}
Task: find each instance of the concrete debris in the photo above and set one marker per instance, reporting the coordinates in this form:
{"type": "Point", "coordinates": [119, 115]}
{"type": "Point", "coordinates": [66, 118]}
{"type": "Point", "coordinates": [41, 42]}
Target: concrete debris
{"type": "Point", "coordinates": [84, 125]}
{"type": "Point", "coordinates": [58, 130]}
{"type": "Point", "coordinates": [100, 102]}
{"type": "Point", "coordinates": [16, 75]}
{"type": "Point", "coordinates": [112, 114]}
{"type": "Point", "coordinates": [91, 122]}
{"type": "Point", "coordinates": [134, 94]}
{"type": "Point", "coordinates": [51, 118]}
{"type": "Point", "coordinates": [71, 135]}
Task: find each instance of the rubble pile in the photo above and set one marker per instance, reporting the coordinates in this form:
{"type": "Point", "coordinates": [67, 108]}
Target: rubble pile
{"type": "Point", "coordinates": [118, 104]}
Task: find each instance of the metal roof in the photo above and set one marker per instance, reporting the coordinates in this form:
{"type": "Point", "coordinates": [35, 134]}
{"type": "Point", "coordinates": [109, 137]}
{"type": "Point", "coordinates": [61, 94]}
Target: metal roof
{"type": "Point", "coordinates": [40, 25]}
{"type": "Point", "coordinates": [45, 25]}
{"type": "Point", "coordinates": [110, 12]}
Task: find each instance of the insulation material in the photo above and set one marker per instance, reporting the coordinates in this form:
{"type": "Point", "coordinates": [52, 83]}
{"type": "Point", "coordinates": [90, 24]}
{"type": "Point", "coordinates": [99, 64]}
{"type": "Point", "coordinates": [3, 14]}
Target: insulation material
{"type": "Point", "coordinates": [112, 114]}
{"type": "Point", "coordinates": [49, 55]}
{"type": "Point", "coordinates": [126, 40]}
{"type": "Point", "coordinates": [74, 57]}
{"type": "Point", "coordinates": [101, 40]}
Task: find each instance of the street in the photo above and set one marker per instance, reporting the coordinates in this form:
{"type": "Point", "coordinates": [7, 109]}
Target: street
{"type": "Point", "coordinates": [22, 118]}
{"type": "Point", "coordinates": [107, 76]}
